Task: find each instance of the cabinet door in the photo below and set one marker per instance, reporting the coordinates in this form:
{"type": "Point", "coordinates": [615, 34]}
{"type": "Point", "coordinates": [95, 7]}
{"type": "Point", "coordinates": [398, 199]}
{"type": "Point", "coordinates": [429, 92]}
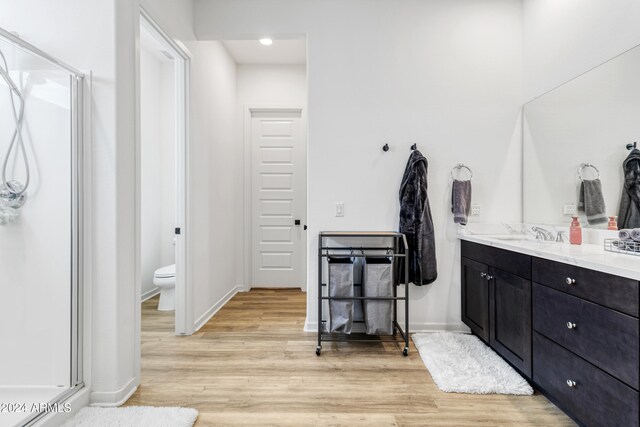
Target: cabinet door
{"type": "Point", "coordinates": [510, 318]}
{"type": "Point", "coordinates": [475, 297]}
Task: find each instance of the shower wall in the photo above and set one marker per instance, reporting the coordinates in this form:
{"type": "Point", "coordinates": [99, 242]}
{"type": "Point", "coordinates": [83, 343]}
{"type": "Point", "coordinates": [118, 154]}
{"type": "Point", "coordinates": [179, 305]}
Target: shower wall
{"type": "Point", "coordinates": [35, 250]}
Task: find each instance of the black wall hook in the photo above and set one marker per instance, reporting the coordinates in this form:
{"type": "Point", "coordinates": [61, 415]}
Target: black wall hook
{"type": "Point", "coordinates": [632, 146]}
{"type": "Point", "coordinates": [414, 147]}
{"type": "Point", "coordinates": [385, 147]}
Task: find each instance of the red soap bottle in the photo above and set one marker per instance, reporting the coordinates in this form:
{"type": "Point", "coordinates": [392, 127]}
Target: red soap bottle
{"type": "Point", "coordinates": [575, 232]}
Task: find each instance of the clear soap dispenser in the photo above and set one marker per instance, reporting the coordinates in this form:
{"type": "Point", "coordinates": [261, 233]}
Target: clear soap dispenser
{"type": "Point", "coordinates": [575, 232]}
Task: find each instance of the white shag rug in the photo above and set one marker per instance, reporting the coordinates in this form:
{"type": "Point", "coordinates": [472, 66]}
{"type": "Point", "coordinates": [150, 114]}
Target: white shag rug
{"type": "Point", "coordinates": [133, 416]}
{"type": "Point", "coordinates": [461, 363]}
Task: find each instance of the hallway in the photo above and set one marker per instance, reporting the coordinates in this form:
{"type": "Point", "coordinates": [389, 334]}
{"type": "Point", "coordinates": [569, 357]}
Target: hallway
{"type": "Point", "coordinates": [251, 364]}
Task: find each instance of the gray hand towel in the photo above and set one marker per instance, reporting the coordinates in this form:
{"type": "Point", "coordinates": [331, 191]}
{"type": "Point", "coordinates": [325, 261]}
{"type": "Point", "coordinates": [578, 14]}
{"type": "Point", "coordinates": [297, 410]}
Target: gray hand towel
{"type": "Point", "coordinates": [625, 235]}
{"type": "Point", "coordinates": [461, 201]}
{"type": "Point", "coordinates": [635, 234]}
{"type": "Point", "coordinates": [592, 201]}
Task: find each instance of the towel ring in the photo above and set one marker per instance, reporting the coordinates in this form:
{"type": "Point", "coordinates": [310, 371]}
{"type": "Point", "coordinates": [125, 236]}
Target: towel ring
{"type": "Point", "coordinates": [587, 165]}
{"type": "Point", "coordinates": [461, 166]}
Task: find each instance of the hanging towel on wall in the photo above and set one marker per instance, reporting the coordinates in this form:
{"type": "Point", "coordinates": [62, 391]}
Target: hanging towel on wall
{"type": "Point", "coordinates": [417, 224]}
{"type": "Point", "coordinates": [591, 201]}
{"type": "Point", "coordinates": [341, 285]}
{"type": "Point", "coordinates": [629, 214]}
{"type": "Point", "coordinates": [461, 201]}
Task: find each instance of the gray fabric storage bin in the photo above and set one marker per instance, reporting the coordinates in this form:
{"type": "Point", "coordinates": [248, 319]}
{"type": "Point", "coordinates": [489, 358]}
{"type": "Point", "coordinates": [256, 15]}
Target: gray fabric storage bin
{"type": "Point", "coordinates": [378, 282]}
{"type": "Point", "coordinates": [341, 285]}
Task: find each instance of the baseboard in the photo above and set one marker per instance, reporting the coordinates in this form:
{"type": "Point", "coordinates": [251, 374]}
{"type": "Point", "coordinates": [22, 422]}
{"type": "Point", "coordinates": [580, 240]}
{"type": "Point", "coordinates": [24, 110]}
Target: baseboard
{"type": "Point", "coordinates": [202, 320]}
{"type": "Point", "coordinates": [438, 327]}
{"type": "Point", "coordinates": [413, 327]}
{"type": "Point", "coordinates": [114, 398]}
{"type": "Point", "coordinates": [150, 294]}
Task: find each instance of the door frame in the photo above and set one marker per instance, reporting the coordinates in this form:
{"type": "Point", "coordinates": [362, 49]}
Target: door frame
{"type": "Point", "coordinates": [182, 69]}
{"type": "Point", "coordinates": [247, 228]}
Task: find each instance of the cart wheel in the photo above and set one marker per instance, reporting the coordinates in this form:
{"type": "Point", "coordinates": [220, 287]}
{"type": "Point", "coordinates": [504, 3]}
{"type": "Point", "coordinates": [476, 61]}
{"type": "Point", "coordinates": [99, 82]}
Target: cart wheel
{"type": "Point", "coordinates": [318, 350]}
{"type": "Point", "coordinates": [405, 352]}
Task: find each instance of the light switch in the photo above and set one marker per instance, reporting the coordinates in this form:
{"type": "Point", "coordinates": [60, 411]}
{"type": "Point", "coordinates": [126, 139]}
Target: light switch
{"type": "Point", "coordinates": [476, 209]}
{"type": "Point", "coordinates": [339, 209]}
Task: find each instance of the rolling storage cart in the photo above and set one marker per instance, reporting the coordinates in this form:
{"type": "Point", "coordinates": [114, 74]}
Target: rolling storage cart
{"type": "Point", "coordinates": [339, 255]}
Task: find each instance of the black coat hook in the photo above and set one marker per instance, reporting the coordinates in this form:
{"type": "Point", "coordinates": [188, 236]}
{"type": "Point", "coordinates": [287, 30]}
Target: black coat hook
{"type": "Point", "coordinates": [414, 147]}
{"type": "Point", "coordinates": [632, 146]}
{"type": "Point", "coordinates": [385, 147]}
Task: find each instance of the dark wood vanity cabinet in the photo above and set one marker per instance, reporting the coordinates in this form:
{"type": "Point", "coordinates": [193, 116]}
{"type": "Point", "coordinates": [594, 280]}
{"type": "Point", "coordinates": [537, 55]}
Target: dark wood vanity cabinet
{"type": "Point", "coordinates": [475, 297]}
{"type": "Point", "coordinates": [572, 331]}
{"type": "Point", "coordinates": [496, 301]}
{"type": "Point", "coordinates": [510, 318]}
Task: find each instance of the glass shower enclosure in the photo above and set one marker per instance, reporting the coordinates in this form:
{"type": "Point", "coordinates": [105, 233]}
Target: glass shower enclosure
{"type": "Point", "coordinates": [40, 232]}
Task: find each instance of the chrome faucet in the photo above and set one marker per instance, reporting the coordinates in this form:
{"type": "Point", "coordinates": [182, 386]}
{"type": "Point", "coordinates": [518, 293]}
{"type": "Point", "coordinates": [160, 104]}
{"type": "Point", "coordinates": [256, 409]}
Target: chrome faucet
{"type": "Point", "coordinates": [543, 234]}
{"type": "Point", "coordinates": [561, 236]}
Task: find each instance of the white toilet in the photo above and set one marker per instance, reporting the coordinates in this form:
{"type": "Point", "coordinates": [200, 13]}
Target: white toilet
{"type": "Point", "coordinates": [165, 279]}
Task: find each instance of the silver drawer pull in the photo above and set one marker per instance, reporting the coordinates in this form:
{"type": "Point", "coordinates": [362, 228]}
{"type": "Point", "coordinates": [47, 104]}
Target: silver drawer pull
{"type": "Point", "coordinates": [571, 383]}
{"type": "Point", "coordinates": [570, 281]}
{"type": "Point", "coordinates": [571, 325]}
{"type": "Point", "coordinates": [489, 277]}
{"type": "Point", "coordinates": [483, 274]}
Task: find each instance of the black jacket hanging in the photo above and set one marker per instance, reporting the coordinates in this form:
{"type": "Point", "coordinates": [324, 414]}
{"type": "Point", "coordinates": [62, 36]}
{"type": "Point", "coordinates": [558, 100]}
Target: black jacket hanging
{"type": "Point", "coordinates": [416, 221]}
{"type": "Point", "coordinates": [629, 214]}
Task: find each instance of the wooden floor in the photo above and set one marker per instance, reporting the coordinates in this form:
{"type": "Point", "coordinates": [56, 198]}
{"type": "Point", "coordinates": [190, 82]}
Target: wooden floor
{"type": "Point", "coordinates": [252, 364]}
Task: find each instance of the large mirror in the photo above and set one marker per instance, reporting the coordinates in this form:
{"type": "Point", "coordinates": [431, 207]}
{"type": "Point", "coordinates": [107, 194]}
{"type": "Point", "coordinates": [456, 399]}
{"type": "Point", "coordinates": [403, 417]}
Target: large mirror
{"type": "Point", "coordinates": [577, 133]}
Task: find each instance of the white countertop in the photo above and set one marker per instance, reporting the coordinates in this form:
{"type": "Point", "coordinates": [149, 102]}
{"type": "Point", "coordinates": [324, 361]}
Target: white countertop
{"type": "Point", "coordinates": [589, 256]}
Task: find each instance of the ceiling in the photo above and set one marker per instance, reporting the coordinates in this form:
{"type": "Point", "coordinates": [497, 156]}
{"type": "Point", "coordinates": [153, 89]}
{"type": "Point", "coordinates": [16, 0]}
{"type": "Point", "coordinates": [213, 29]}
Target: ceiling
{"type": "Point", "coordinates": [282, 52]}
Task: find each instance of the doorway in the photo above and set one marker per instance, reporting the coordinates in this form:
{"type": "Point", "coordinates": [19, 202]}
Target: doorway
{"type": "Point", "coordinates": [163, 123]}
{"type": "Point", "coordinates": [271, 96]}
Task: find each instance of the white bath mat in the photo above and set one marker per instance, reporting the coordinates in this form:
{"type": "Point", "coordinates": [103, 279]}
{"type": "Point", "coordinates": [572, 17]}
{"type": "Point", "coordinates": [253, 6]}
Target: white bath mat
{"type": "Point", "coordinates": [133, 416]}
{"type": "Point", "coordinates": [461, 363]}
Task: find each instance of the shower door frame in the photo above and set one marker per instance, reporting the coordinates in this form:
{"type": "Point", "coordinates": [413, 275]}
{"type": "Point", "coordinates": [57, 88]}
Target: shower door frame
{"type": "Point", "coordinates": [78, 210]}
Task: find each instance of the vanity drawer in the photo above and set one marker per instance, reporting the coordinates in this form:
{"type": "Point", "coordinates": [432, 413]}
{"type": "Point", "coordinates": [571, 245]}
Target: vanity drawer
{"type": "Point", "coordinates": [611, 291]}
{"type": "Point", "coordinates": [604, 337]}
{"type": "Point", "coordinates": [593, 397]}
{"type": "Point", "coordinates": [511, 262]}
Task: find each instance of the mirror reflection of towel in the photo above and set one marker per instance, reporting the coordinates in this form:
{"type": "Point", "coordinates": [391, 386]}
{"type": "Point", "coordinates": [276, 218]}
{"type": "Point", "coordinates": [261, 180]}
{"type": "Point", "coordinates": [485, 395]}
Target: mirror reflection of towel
{"type": "Point", "coordinates": [591, 201]}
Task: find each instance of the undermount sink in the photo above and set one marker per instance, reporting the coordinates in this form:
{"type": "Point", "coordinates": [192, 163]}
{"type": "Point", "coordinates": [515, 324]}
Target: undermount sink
{"type": "Point", "coordinates": [508, 237]}
{"type": "Point", "coordinates": [520, 238]}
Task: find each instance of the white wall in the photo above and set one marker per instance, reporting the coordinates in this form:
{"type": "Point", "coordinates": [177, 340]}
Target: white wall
{"type": "Point", "coordinates": [259, 85]}
{"type": "Point", "coordinates": [445, 75]}
{"type": "Point", "coordinates": [157, 139]}
{"type": "Point", "coordinates": [563, 39]}
{"type": "Point", "coordinates": [213, 178]}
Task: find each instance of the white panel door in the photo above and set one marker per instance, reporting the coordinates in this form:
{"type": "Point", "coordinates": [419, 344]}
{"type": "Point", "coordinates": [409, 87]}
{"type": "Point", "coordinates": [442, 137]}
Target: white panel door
{"type": "Point", "coordinates": [278, 198]}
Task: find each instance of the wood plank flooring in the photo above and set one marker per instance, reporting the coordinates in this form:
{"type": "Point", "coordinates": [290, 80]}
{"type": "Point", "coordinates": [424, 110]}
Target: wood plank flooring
{"type": "Point", "coordinates": [252, 364]}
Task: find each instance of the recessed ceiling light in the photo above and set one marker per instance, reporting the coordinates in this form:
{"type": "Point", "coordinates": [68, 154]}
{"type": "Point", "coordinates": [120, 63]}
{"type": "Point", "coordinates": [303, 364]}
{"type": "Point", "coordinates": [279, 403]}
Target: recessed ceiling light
{"type": "Point", "coordinates": [266, 42]}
